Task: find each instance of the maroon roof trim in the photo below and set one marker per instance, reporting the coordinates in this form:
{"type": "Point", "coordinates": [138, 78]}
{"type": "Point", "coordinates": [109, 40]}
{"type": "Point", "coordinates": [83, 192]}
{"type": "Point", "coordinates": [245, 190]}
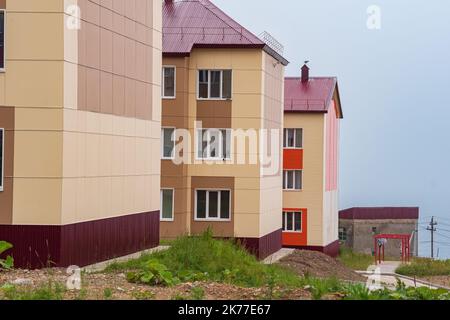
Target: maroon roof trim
{"type": "Point", "coordinates": [380, 213]}
{"type": "Point", "coordinates": [189, 24]}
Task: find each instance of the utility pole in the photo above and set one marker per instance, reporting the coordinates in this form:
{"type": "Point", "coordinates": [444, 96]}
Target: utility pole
{"type": "Point", "coordinates": [432, 229]}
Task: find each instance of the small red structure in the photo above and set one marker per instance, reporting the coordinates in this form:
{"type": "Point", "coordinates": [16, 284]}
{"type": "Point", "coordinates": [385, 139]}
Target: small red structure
{"type": "Point", "coordinates": [380, 243]}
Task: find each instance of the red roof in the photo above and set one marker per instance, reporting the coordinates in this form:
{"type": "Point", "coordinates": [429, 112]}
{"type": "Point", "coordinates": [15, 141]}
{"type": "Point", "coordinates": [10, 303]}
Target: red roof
{"type": "Point", "coordinates": [392, 213]}
{"type": "Point", "coordinates": [312, 96]}
{"type": "Point", "coordinates": [199, 23]}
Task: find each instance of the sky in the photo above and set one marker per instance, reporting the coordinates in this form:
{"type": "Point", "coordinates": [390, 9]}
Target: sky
{"type": "Point", "coordinates": [394, 84]}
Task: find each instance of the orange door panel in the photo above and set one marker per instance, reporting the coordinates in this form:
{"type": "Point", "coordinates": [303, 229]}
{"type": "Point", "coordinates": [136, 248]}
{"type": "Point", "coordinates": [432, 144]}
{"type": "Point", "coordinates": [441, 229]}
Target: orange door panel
{"type": "Point", "coordinates": [293, 239]}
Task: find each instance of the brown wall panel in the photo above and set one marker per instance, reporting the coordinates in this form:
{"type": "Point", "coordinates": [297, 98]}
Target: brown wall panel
{"type": "Point", "coordinates": [7, 120]}
{"type": "Point", "coordinates": [214, 114]}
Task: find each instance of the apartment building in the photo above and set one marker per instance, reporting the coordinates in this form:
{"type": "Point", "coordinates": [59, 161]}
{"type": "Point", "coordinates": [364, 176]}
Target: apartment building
{"type": "Point", "coordinates": [220, 80]}
{"type": "Point", "coordinates": [80, 113]}
{"type": "Point", "coordinates": [310, 212]}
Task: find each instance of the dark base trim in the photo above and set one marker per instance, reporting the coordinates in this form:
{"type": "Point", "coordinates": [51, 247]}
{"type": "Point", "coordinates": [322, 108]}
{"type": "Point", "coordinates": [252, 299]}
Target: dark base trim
{"type": "Point", "coordinates": [264, 246]}
{"type": "Point", "coordinates": [83, 243]}
{"type": "Point", "coordinates": [332, 249]}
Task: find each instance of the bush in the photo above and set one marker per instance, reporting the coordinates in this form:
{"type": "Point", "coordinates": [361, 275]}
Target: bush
{"type": "Point", "coordinates": [7, 263]}
{"type": "Point", "coordinates": [203, 258]}
{"type": "Point", "coordinates": [421, 267]}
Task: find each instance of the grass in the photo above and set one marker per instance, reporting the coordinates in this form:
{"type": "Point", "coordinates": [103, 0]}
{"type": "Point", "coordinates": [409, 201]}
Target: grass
{"type": "Point", "coordinates": [48, 291]}
{"type": "Point", "coordinates": [422, 267]}
{"type": "Point", "coordinates": [204, 258]}
{"type": "Point", "coordinates": [355, 261]}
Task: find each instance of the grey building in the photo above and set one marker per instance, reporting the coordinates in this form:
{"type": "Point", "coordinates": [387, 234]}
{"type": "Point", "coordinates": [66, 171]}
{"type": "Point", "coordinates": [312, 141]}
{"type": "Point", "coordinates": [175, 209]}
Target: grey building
{"type": "Point", "coordinates": [358, 226]}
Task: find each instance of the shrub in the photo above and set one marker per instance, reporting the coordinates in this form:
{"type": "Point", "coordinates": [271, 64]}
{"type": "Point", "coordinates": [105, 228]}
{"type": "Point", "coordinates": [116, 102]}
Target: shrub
{"type": "Point", "coordinates": [425, 267]}
{"type": "Point", "coordinates": [7, 263]}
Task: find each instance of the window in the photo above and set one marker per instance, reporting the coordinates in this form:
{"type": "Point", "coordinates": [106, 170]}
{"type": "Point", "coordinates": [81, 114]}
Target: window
{"type": "Point", "coordinates": [293, 138]}
{"type": "Point", "coordinates": [342, 234]}
{"type": "Point", "coordinates": [214, 144]}
{"type": "Point", "coordinates": [292, 221]}
{"type": "Point", "coordinates": [168, 82]}
{"type": "Point", "coordinates": [214, 84]}
{"type": "Point", "coordinates": [2, 161]}
{"type": "Point", "coordinates": [167, 204]}
{"type": "Point", "coordinates": [292, 180]}
{"type": "Point", "coordinates": [2, 39]}
{"type": "Point", "coordinates": [374, 230]}
{"type": "Point", "coordinates": [213, 205]}
{"type": "Point", "coordinates": [168, 143]}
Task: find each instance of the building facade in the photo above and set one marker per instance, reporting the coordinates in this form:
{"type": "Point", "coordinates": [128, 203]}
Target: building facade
{"type": "Point", "coordinates": [358, 226]}
{"type": "Point", "coordinates": [80, 129]}
{"type": "Point", "coordinates": [222, 86]}
{"type": "Point", "coordinates": [312, 112]}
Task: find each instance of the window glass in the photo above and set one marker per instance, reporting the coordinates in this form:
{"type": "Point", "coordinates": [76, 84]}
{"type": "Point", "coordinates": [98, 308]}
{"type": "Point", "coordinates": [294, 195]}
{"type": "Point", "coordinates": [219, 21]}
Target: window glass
{"type": "Point", "coordinates": [298, 221]}
{"type": "Point", "coordinates": [290, 180]}
{"type": "Point", "coordinates": [169, 82]}
{"type": "Point", "coordinates": [215, 84]}
{"type": "Point", "coordinates": [167, 204]}
{"type": "Point", "coordinates": [213, 204]}
{"type": "Point", "coordinates": [168, 142]}
{"type": "Point", "coordinates": [290, 138]}
{"type": "Point", "coordinates": [201, 204]}
{"type": "Point", "coordinates": [203, 84]}
{"type": "Point", "coordinates": [298, 180]}
{"type": "Point", "coordinates": [226, 85]}
{"type": "Point", "coordinates": [2, 39]}
{"type": "Point", "coordinates": [289, 221]}
{"type": "Point", "coordinates": [225, 205]}
{"type": "Point", "coordinates": [299, 138]}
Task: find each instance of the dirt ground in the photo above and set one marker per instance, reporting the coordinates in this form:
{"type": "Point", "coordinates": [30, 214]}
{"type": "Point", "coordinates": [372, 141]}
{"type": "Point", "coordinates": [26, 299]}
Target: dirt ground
{"type": "Point", "coordinates": [317, 264]}
{"type": "Point", "coordinates": [114, 286]}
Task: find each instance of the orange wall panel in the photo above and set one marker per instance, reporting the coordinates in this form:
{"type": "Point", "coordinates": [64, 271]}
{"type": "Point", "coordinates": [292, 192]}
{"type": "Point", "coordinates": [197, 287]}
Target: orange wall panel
{"type": "Point", "coordinates": [292, 239]}
{"type": "Point", "coordinates": [293, 159]}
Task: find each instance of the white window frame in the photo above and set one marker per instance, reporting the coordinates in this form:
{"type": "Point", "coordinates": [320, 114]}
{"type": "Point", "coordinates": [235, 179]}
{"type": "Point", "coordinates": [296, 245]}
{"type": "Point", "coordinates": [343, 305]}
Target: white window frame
{"type": "Point", "coordinates": [218, 219]}
{"type": "Point", "coordinates": [285, 176]}
{"type": "Point", "coordinates": [342, 234]}
{"type": "Point", "coordinates": [2, 163]}
{"type": "Point", "coordinates": [209, 84]}
{"type": "Point", "coordinates": [173, 205]}
{"type": "Point", "coordinates": [285, 213]}
{"type": "Point", "coordinates": [199, 139]}
{"type": "Point", "coordinates": [4, 40]}
{"type": "Point", "coordinates": [174, 83]}
{"type": "Point", "coordinates": [286, 139]}
{"type": "Point", "coordinates": [162, 143]}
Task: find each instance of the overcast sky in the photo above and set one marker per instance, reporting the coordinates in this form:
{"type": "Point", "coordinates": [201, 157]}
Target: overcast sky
{"type": "Point", "coordinates": [394, 85]}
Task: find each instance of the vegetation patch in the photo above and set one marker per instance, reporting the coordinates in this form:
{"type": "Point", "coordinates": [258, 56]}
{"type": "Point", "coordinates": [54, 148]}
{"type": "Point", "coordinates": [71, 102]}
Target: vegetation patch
{"type": "Point", "coordinates": [422, 267]}
{"type": "Point", "coordinates": [203, 258]}
{"type": "Point", "coordinates": [7, 263]}
{"type": "Point", "coordinates": [355, 261]}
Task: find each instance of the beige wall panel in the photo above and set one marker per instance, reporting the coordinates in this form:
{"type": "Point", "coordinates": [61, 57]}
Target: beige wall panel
{"type": "Point", "coordinates": [38, 154]}
{"type": "Point", "coordinates": [34, 36]}
{"type": "Point", "coordinates": [246, 225]}
{"type": "Point", "coordinates": [37, 201]}
{"type": "Point", "coordinates": [35, 6]}
{"type": "Point", "coordinates": [331, 217]}
{"type": "Point", "coordinates": [38, 119]}
{"type": "Point", "coordinates": [25, 86]}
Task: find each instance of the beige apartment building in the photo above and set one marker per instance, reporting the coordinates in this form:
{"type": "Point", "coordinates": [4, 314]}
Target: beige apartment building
{"type": "Point", "coordinates": [218, 79]}
{"type": "Point", "coordinates": [80, 111]}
